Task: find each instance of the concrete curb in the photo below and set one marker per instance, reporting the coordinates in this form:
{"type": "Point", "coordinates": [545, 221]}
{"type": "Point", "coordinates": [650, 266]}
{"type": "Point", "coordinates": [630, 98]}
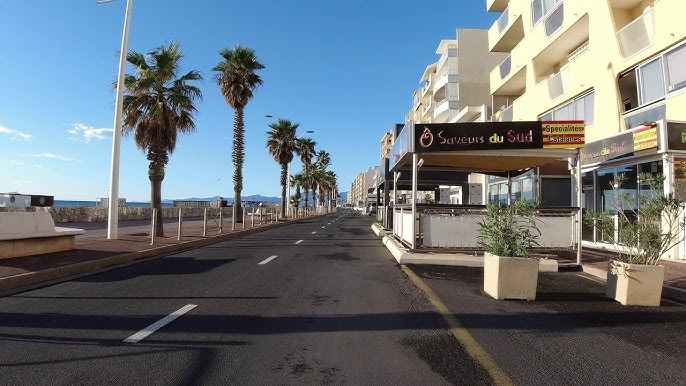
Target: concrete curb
{"type": "Point", "coordinates": [115, 261]}
{"type": "Point", "coordinates": [378, 230]}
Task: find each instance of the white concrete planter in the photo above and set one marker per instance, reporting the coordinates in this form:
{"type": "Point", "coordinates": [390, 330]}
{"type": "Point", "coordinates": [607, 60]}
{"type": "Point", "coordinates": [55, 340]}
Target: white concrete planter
{"type": "Point", "coordinates": [635, 284]}
{"type": "Point", "coordinates": [510, 277]}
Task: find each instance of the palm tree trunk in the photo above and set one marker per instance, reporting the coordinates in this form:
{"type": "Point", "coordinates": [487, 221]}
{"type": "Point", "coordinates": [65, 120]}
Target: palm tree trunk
{"type": "Point", "coordinates": [238, 156]}
{"type": "Point", "coordinates": [284, 175]}
{"type": "Point", "coordinates": [156, 176]}
{"type": "Point", "coordinates": [306, 191]}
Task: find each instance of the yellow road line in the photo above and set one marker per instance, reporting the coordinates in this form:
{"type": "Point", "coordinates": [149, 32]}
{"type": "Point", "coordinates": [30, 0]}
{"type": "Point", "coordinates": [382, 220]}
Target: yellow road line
{"type": "Point", "coordinates": [470, 344]}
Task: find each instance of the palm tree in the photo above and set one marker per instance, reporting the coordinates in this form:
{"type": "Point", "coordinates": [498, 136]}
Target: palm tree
{"type": "Point", "coordinates": [281, 143]}
{"type": "Point", "coordinates": [157, 106]}
{"type": "Point", "coordinates": [305, 150]}
{"type": "Point", "coordinates": [297, 181]}
{"type": "Point", "coordinates": [330, 184]}
{"type": "Point", "coordinates": [321, 163]}
{"type": "Point", "coordinates": [236, 76]}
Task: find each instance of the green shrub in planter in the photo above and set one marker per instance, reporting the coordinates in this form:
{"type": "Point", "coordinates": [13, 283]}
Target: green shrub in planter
{"type": "Point", "coordinates": [509, 230]}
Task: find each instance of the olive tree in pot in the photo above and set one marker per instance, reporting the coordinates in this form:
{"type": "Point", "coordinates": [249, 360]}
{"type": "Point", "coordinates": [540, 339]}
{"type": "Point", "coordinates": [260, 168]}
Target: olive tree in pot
{"type": "Point", "coordinates": [508, 233]}
{"type": "Point", "coordinates": [643, 228]}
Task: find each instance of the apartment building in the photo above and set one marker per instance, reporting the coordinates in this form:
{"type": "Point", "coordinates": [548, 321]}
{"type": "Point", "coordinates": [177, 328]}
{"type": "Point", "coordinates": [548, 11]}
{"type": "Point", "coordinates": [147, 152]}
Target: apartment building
{"type": "Point", "coordinates": [456, 87]}
{"type": "Point", "coordinates": [619, 65]}
{"type": "Point", "coordinates": [359, 195]}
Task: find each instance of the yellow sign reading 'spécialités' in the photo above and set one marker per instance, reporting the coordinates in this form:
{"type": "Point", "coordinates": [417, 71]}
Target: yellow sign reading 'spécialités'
{"type": "Point", "coordinates": [564, 134]}
{"type": "Point", "coordinates": [645, 138]}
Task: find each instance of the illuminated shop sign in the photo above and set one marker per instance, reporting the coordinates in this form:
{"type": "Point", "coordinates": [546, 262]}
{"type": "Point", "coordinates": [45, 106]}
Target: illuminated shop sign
{"type": "Point", "coordinates": [438, 137]}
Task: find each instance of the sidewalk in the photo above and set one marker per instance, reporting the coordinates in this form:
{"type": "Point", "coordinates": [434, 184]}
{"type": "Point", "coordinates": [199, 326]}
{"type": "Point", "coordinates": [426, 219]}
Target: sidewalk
{"type": "Point", "coordinates": [593, 262]}
{"type": "Point", "coordinates": [94, 253]}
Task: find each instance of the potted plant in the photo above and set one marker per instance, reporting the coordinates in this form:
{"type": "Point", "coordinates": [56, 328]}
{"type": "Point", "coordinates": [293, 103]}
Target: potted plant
{"type": "Point", "coordinates": [508, 233]}
{"type": "Point", "coordinates": [643, 228]}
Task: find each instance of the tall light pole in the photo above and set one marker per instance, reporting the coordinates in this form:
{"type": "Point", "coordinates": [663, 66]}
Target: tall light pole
{"type": "Point", "coordinates": [288, 178]}
{"type": "Point", "coordinates": [113, 208]}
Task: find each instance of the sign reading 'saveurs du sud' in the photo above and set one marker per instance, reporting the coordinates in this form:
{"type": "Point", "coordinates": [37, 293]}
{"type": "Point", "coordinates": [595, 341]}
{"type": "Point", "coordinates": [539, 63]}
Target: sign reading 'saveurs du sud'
{"type": "Point", "coordinates": [478, 136]}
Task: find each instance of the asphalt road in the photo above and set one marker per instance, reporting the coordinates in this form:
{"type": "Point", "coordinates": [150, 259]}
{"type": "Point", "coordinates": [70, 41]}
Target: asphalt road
{"type": "Point", "coordinates": [330, 308]}
{"type": "Point", "coordinates": [323, 302]}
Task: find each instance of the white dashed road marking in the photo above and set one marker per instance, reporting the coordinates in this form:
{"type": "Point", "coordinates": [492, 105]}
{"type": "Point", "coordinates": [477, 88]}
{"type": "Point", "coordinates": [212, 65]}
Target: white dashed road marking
{"type": "Point", "coordinates": [144, 333]}
{"type": "Point", "coordinates": [299, 241]}
{"type": "Point", "coordinates": [313, 232]}
{"type": "Point", "coordinates": [267, 260]}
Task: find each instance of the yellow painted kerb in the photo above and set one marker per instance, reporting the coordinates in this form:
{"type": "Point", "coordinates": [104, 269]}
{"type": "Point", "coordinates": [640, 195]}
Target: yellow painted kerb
{"type": "Point", "coordinates": [470, 344]}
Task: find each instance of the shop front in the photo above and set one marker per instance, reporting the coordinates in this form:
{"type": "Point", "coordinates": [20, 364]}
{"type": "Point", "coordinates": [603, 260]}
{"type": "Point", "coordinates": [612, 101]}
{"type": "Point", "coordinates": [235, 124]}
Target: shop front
{"type": "Point", "coordinates": [508, 150]}
{"type": "Point", "coordinates": [628, 158]}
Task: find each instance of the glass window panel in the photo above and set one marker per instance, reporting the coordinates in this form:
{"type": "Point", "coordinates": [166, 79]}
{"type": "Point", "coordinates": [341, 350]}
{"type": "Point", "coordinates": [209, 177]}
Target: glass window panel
{"type": "Point", "coordinates": [547, 116]}
{"type": "Point", "coordinates": [556, 191]}
{"type": "Point", "coordinates": [654, 168]}
{"type": "Point", "coordinates": [587, 204]}
{"type": "Point", "coordinates": [536, 10]}
{"type": "Point", "coordinates": [516, 190]}
{"type": "Point", "coordinates": [605, 196]}
{"type": "Point", "coordinates": [652, 85]}
{"type": "Point", "coordinates": [676, 69]}
{"type": "Point", "coordinates": [493, 193]}
{"type": "Point", "coordinates": [589, 109]}
{"type": "Point", "coordinates": [502, 197]}
{"type": "Point", "coordinates": [528, 189]}
{"type": "Point", "coordinates": [564, 113]}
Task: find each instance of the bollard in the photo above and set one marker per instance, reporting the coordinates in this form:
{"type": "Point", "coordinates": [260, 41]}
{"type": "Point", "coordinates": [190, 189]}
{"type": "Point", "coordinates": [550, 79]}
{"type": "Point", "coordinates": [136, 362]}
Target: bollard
{"type": "Point", "coordinates": [204, 223]}
{"type": "Point", "coordinates": [178, 237]}
{"type": "Point", "coordinates": [252, 221]}
{"type": "Point", "coordinates": [153, 222]}
{"type": "Point", "coordinates": [233, 219]}
{"type": "Point", "coordinates": [243, 212]}
{"type": "Point", "coordinates": [221, 220]}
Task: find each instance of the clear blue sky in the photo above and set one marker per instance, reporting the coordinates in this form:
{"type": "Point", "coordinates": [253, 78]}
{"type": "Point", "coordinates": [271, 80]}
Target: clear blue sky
{"type": "Point", "coordinates": [345, 69]}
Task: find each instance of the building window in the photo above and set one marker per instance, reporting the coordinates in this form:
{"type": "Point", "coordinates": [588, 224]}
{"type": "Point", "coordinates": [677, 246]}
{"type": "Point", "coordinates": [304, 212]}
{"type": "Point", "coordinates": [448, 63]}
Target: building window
{"type": "Point", "coordinates": [676, 69]}
{"type": "Point", "coordinates": [651, 81]}
{"type": "Point", "coordinates": [540, 8]}
{"type": "Point", "coordinates": [579, 109]}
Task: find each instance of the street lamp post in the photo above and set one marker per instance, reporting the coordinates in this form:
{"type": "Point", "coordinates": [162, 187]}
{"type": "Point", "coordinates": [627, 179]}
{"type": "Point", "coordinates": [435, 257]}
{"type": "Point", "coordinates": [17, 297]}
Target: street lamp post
{"type": "Point", "coordinates": [113, 204]}
{"type": "Point", "coordinates": [288, 178]}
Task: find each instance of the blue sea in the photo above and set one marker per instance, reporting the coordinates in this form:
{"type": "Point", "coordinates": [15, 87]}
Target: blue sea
{"type": "Point", "coordinates": [94, 203]}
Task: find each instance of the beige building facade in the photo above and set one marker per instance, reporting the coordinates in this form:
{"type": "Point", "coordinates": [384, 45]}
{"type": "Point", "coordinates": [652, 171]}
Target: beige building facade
{"type": "Point", "coordinates": [618, 65]}
{"type": "Point", "coordinates": [456, 87]}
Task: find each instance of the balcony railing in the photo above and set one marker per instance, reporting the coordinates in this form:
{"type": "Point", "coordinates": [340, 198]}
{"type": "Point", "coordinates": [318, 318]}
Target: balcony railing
{"type": "Point", "coordinates": [637, 35]}
{"type": "Point", "coordinates": [504, 20]}
{"type": "Point", "coordinates": [505, 67]}
{"type": "Point", "coordinates": [555, 19]}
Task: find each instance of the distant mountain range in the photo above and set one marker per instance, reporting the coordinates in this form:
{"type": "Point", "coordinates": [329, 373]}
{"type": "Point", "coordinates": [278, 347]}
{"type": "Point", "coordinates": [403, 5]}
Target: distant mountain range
{"type": "Point", "coordinates": [254, 197]}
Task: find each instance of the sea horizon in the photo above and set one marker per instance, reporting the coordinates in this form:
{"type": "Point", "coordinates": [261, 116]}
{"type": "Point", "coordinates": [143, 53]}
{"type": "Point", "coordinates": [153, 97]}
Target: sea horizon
{"type": "Point", "coordinates": [93, 203]}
